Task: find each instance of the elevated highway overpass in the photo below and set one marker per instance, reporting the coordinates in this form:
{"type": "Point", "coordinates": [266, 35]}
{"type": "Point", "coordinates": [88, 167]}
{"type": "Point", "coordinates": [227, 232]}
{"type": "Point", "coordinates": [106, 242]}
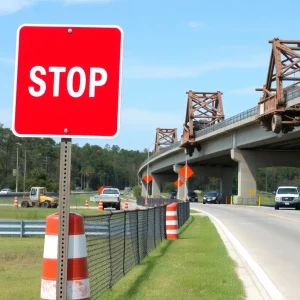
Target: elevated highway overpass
{"type": "Point", "coordinates": [237, 145]}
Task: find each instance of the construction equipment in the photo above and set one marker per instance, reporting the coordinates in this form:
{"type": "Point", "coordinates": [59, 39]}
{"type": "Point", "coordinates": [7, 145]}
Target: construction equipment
{"type": "Point", "coordinates": [275, 112]}
{"type": "Point", "coordinates": [38, 198]}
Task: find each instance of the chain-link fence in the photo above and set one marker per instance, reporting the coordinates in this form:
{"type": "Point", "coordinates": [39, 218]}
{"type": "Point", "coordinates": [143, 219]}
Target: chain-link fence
{"type": "Point", "coordinates": [155, 201]}
{"type": "Point", "coordinates": [121, 240]}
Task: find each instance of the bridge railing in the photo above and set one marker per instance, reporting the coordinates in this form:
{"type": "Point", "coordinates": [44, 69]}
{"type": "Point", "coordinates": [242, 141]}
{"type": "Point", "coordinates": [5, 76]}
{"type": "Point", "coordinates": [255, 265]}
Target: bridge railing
{"type": "Point", "coordinates": [289, 95]}
{"type": "Point", "coordinates": [234, 119]}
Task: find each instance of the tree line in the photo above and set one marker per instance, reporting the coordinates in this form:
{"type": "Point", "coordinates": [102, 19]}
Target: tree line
{"type": "Point", "coordinates": [38, 164]}
{"type": "Point", "coordinates": [94, 166]}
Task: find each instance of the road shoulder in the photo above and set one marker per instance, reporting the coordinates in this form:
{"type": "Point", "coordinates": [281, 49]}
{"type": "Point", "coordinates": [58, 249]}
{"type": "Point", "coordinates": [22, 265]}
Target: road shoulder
{"type": "Point", "coordinates": [254, 288]}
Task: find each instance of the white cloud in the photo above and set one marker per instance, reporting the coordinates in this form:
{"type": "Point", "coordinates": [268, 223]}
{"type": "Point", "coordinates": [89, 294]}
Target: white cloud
{"type": "Point", "coordinates": [12, 6]}
{"type": "Point", "coordinates": [195, 24]}
{"type": "Point", "coordinates": [135, 118]}
{"type": "Point", "coordinates": [243, 91]}
{"type": "Point", "coordinates": [181, 71]}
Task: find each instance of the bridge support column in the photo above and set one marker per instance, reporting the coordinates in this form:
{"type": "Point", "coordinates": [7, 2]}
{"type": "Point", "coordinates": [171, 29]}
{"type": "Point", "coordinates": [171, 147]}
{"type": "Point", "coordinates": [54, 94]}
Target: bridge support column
{"type": "Point", "coordinates": [226, 184]}
{"type": "Point", "coordinates": [158, 180]}
{"type": "Point", "coordinates": [144, 188]}
{"type": "Point", "coordinates": [247, 166]}
{"type": "Point", "coordinates": [156, 185]}
{"type": "Point", "coordinates": [182, 189]}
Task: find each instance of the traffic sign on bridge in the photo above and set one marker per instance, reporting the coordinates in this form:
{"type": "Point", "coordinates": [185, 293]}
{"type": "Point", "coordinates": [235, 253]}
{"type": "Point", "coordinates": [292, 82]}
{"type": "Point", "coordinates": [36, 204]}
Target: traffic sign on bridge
{"type": "Point", "coordinates": [68, 81]}
{"type": "Point", "coordinates": [147, 178]}
{"type": "Point", "coordinates": [186, 172]}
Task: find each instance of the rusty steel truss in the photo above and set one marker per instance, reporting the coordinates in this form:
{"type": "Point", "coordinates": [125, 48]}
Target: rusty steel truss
{"type": "Point", "coordinates": [165, 137]}
{"type": "Point", "coordinates": [273, 112]}
{"type": "Point", "coordinates": [204, 109]}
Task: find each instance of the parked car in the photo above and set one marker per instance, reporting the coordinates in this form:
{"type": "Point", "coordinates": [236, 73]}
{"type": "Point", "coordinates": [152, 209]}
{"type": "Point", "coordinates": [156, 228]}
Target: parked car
{"type": "Point", "coordinates": [173, 195]}
{"type": "Point", "coordinates": [192, 197]}
{"type": "Point", "coordinates": [287, 196]}
{"type": "Point", "coordinates": [5, 191]}
{"type": "Point", "coordinates": [212, 197]}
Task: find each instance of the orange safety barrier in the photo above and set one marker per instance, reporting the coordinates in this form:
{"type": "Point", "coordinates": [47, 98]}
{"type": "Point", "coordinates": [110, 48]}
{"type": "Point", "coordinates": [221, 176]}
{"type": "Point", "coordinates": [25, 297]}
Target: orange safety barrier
{"type": "Point", "coordinates": [78, 286]}
{"type": "Point", "coordinates": [172, 222]}
{"type": "Point", "coordinates": [126, 204]}
{"type": "Point", "coordinates": [16, 202]}
{"type": "Point", "coordinates": [100, 206]}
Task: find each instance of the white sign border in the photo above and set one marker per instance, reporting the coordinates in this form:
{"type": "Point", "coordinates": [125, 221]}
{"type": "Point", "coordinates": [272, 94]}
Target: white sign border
{"type": "Point", "coordinates": [16, 76]}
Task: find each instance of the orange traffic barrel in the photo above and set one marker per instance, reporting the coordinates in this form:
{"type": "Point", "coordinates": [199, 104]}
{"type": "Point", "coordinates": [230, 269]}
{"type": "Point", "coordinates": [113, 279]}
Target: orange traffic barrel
{"type": "Point", "coordinates": [172, 222]}
{"type": "Point", "coordinates": [78, 277]}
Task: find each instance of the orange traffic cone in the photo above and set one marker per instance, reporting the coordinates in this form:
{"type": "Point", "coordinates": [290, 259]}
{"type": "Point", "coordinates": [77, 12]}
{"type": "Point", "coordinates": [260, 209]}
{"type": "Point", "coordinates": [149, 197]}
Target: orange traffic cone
{"type": "Point", "coordinates": [126, 204]}
{"type": "Point", "coordinates": [86, 203]}
{"type": "Point", "coordinates": [100, 206]}
{"type": "Point", "coordinates": [16, 202]}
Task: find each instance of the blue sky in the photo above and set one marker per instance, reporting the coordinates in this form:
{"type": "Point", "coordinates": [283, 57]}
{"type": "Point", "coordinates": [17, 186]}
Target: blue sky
{"type": "Point", "coordinates": [170, 47]}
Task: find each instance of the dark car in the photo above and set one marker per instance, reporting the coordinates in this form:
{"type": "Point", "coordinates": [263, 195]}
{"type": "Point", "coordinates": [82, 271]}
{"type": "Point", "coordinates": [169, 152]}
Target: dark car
{"type": "Point", "coordinates": [212, 197]}
{"type": "Point", "coordinates": [192, 197]}
{"type": "Point", "coordinates": [173, 195]}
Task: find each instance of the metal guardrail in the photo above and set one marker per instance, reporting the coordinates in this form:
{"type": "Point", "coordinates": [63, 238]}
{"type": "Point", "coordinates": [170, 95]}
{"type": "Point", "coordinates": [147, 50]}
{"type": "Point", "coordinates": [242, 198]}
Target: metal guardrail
{"type": "Point", "coordinates": [290, 95]}
{"type": "Point", "coordinates": [37, 228]}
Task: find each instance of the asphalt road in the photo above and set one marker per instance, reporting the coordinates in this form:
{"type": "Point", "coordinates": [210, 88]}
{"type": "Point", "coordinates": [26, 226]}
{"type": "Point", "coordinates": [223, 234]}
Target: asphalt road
{"type": "Point", "coordinates": [271, 237]}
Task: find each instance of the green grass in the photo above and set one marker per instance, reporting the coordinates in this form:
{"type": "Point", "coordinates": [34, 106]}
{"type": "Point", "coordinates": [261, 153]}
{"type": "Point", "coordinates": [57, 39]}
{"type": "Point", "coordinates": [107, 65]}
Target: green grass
{"type": "Point", "coordinates": [194, 211]}
{"type": "Point", "coordinates": [20, 267]}
{"type": "Point", "coordinates": [35, 213]}
{"type": "Point", "coordinates": [267, 198]}
{"type": "Point", "coordinates": [75, 200]}
{"type": "Point", "coordinates": [196, 266]}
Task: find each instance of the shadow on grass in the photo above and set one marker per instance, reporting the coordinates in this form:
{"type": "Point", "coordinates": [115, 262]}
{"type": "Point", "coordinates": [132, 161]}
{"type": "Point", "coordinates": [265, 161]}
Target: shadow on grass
{"type": "Point", "coordinates": [152, 261]}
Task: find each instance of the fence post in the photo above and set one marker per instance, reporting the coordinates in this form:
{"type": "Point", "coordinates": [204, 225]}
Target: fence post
{"type": "Point", "coordinates": [154, 227]}
{"type": "Point", "coordinates": [137, 236]}
{"type": "Point", "coordinates": [258, 200]}
{"type": "Point", "coordinates": [109, 249]}
{"type": "Point", "coordinates": [231, 200]}
{"type": "Point", "coordinates": [124, 242]}
{"type": "Point", "coordinates": [172, 222]}
{"type": "Point", "coordinates": [22, 228]}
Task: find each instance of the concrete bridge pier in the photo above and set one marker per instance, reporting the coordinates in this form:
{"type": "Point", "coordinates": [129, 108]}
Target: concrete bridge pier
{"type": "Point", "coordinates": [247, 166]}
{"type": "Point", "coordinates": [144, 188]}
{"type": "Point", "coordinates": [250, 160]}
{"type": "Point", "coordinates": [225, 174]}
{"type": "Point", "coordinates": [158, 180]}
{"type": "Point", "coordinates": [226, 184]}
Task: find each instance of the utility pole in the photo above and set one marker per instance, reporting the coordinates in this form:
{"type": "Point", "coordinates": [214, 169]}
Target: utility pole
{"type": "Point", "coordinates": [17, 171]}
{"type": "Point", "coordinates": [24, 180]}
{"type": "Point", "coordinates": [46, 158]}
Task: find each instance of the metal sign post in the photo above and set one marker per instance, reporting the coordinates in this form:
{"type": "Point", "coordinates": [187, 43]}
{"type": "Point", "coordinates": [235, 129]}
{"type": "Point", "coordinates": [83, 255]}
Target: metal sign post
{"type": "Point", "coordinates": [64, 209]}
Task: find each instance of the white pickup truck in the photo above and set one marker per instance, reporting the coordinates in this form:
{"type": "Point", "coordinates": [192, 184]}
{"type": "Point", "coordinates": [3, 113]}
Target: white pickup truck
{"type": "Point", "coordinates": [110, 198]}
{"type": "Point", "coordinates": [287, 196]}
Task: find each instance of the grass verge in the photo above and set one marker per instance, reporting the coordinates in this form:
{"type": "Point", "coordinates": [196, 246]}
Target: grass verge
{"type": "Point", "coordinates": [196, 266]}
{"type": "Point", "coordinates": [75, 200]}
{"type": "Point", "coordinates": [20, 267]}
{"type": "Point", "coordinates": [35, 213]}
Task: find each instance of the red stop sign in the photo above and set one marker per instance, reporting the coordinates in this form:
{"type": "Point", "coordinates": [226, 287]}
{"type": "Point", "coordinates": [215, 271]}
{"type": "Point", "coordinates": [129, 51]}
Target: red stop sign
{"type": "Point", "coordinates": [68, 81]}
